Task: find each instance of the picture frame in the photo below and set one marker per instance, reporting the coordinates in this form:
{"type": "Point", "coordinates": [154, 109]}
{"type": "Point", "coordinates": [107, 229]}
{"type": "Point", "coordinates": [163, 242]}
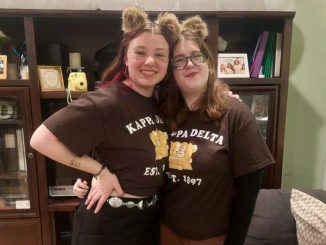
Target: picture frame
{"type": "Point", "coordinates": [50, 78]}
{"type": "Point", "coordinates": [232, 65]}
{"type": "Point", "coordinates": [259, 106]}
{"type": "Point", "coordinates": [3, 66]}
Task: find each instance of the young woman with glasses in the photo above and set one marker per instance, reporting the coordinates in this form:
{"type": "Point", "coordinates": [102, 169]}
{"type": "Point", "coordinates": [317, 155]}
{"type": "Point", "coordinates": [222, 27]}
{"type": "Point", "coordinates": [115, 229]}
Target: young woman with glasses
{"type": "Point", "coordinates": [216, 155]}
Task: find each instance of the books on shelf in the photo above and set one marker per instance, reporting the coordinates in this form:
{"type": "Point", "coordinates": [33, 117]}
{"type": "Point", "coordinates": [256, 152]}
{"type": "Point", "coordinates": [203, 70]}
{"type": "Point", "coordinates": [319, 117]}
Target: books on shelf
{"type": "Point", "coordinates": [266, 59]}
{"type": "Point", "coordinates": [278, 54]}
{"type": "Point", "coordinates": [255, 67]}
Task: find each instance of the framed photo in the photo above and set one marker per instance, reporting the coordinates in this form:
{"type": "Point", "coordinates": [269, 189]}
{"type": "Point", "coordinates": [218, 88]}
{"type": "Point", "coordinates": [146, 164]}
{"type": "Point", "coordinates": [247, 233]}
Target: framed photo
{"type": "Point", "coordinates": [51, 78]}
{"type": "Point", "coordinates": [3, 66]}
{"type": "Point", "coordinates": [232, 65]}
{"type": "Point", "coordinates": [259, 106]}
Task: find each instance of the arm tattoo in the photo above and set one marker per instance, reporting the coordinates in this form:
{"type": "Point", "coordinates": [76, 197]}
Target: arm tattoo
{"type": "Point", "coordinates": [74, 163]}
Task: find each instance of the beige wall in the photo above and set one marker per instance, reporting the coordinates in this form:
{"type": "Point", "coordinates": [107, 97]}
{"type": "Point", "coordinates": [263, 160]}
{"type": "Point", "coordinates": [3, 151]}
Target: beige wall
{"type": "Point", "coordinates": [305, 136]}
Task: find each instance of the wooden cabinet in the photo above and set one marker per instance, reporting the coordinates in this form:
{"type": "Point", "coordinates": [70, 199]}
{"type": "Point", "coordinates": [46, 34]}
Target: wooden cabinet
{"type": "Point", "coordinates": [22, 231]}
{"type": "Point", "coordinates": [241, 30]}
{"type": "Point", "coordinates": [88, 32]}
{"type": "Point", "coordinates": [19, 202]}
{"type": "Point", "coordinates": [18, 182]}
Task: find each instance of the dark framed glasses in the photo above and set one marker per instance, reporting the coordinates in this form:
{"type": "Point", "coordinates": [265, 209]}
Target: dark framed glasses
{"type": "Point", "coordinates": [180, 62]}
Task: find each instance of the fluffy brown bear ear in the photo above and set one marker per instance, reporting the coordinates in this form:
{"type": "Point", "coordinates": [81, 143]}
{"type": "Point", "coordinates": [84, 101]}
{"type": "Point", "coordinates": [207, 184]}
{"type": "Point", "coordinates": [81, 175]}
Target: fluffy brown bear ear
{"type": "Point", "coordinates": [195, 24]}
{"type": "Point", "coordinates": [171, 21]}
{"type": "Point", "coordinates": [133, 18]}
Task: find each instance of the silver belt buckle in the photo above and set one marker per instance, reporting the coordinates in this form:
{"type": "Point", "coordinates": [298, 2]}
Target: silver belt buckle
{"type": "Point", "coordinates": [115, 202]}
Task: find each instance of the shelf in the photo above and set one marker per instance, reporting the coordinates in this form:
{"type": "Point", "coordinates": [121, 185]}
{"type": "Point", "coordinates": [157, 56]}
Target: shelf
{"type": "Point", "coordinates": [63, 204]}
{"type": "Point", "coordinates": [15, 83]}
{"type": "Point", "coordinates": [11, 121]}
{"type": "Point", "coordinates": [59, 95]}
{"type": "Point", "coordinates": [13, 175]}
{"type": "Point", "coordinates": [253, 81]}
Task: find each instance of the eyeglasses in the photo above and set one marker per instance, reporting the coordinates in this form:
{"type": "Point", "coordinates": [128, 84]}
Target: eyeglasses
{"type": "Point", "coordinates": [180, 62]}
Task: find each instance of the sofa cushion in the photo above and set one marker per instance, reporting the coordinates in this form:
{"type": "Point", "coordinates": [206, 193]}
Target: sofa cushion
{"type": "Point", "coordinates": [310, 216]}
{"type": "Point", "coordinates": [272, 222]}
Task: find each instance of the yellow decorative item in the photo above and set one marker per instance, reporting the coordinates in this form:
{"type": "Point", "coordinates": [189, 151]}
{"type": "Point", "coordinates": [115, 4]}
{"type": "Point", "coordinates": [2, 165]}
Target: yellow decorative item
{"type": "Point", "coordinates": [77, 81]}
{"type": "Point", "coordinates": [159, 140]}
{"type": "Point", "coordinates": [181, 155]}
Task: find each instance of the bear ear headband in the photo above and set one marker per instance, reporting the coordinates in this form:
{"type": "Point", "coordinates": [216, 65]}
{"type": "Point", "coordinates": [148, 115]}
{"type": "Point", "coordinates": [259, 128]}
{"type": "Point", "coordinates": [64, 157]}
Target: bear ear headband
{"type": "Point", "coordinates": [195, 25]}
{"type": "Point", "coordinates": [134, 18]}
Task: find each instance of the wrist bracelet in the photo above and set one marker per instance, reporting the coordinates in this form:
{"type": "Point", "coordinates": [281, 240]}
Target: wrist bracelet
{"type": "Point", "coordinates": [99, 172]}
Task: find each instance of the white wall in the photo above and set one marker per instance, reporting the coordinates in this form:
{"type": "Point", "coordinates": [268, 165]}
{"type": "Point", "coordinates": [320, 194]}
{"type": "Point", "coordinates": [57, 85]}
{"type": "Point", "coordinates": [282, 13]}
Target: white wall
{"type": "Point", "coordinates": [152, 4]}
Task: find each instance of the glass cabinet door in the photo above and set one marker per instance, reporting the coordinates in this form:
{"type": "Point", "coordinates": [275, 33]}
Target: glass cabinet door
{"type": "Point", "coordinates": [262, 103]}
{"type": "Point", "coordinates": [15, 121]}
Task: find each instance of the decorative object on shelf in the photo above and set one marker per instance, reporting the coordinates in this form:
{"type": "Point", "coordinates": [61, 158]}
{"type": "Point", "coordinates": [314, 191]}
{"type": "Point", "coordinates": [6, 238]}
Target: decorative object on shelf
{"type": "Point", "coordinates": [74, 60]}
{"type": "Point", "coordinates": [10, 149]}
{"type": "Point", "coordinates": [24, 72]}
{"type": "Point", "coordinates": [8, 109]}
{"type": "Point", "coordinates": [232, 65]}
{"type": "Point", "coordinates": [3, 39]}
{"type": "Point", "coordinates": [221, 44]}
{"type": "Point", "coordinates": [3, 66]}
{"type": "Point", "coordinates": [19, 57]}
{"type": "Point", "coordinates": [76, 82]}
{"type": "Point", "coordinates": [76, 77]}
{"type": "Point", "coordinates": [12, 71]}
{"type": "Point", "coordinates": [50, 78]}
{"type": "Point", "coordinates": [259, 106]}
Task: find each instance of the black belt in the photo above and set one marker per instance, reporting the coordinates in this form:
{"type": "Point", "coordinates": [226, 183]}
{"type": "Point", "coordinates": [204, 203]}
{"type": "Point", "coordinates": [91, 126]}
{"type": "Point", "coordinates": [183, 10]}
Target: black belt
{"type": "Point", "coordinates": [117, 202]}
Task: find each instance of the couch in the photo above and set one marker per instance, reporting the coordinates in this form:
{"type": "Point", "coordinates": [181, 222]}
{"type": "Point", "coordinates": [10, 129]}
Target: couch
{"type": "Point", "coordinates": [272, 222]}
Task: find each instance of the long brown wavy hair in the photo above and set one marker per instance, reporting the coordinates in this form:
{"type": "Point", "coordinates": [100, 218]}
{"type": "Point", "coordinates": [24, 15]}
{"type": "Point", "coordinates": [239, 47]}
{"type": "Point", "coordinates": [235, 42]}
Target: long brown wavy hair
{"type": "Point", "coordinates": [211, 104]}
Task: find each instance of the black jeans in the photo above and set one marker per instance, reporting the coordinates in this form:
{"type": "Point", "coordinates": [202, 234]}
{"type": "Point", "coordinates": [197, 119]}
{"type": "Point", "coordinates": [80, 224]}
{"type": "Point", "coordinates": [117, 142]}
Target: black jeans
{"type": "Point", "coordinates": [116, 226]}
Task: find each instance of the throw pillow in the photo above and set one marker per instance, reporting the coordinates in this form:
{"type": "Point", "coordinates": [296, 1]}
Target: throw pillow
{"type": "Point", "coordinates": [272, 222]}
{"type": "Point", "coordinates": [310, 216]}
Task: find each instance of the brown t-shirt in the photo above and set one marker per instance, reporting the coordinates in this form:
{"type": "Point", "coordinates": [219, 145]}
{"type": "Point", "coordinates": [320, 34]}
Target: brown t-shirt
{"type": "Point", "coordinates": [121, 126]}
{"type": "Point", "coordinates": [203, 163]}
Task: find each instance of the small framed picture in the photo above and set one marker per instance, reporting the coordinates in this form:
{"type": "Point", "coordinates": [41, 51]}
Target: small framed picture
{"type": "Point", "coordinates": [232, 65]}
{"type": "Point", "coordinates": [3, 66]}
{"type": "Point", "coordinates": [259, 106]}
{"type": "Point", "coordinates": [51, 78]}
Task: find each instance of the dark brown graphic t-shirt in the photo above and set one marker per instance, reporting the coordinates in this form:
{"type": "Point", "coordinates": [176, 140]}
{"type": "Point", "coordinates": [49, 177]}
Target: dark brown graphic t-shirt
{"type": "Point", "coordinates": [203, 162]}
{"type": "Point", "coordinates": [121, 126]}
